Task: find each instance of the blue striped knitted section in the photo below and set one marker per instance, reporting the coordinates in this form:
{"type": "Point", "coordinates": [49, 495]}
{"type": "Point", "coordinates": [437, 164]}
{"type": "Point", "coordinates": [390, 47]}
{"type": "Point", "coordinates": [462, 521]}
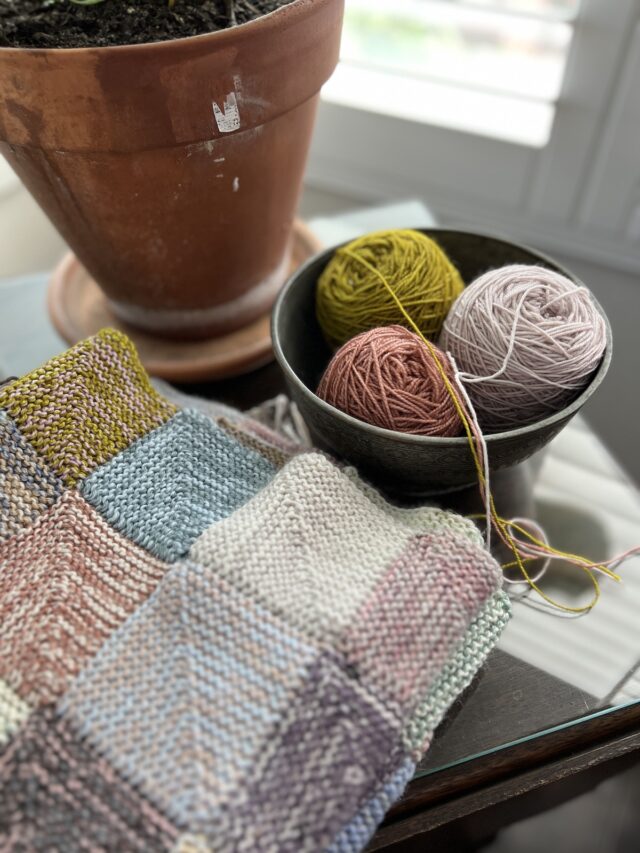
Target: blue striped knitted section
{"type": "Point", "coordinates": [186, 696]}
{"type": "Point", "coordinates": [357, 834]}
{"type": "Point", "coordinates": [169, 486]}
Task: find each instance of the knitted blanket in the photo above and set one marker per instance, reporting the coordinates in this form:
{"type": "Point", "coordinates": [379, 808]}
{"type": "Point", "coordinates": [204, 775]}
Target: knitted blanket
{"type": "Point", "coordinates": [210, 639]}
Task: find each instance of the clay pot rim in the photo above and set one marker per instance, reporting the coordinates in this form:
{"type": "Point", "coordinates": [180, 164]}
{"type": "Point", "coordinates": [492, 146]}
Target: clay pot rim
{"type": "Point", "coordinates": [270, 20]}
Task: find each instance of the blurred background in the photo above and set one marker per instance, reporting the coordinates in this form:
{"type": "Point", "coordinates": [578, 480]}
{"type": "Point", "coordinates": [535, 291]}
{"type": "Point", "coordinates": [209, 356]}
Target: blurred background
{"type": "Point", "coordinates": [516, 117]}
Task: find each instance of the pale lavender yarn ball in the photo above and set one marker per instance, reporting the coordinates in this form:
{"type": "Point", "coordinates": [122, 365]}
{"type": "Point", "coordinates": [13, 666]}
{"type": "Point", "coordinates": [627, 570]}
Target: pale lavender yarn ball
{"type": "Point", "coordinates": [526, 341]}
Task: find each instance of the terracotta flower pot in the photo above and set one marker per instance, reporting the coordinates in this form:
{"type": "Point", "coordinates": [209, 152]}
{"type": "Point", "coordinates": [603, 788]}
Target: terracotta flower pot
{"type": "Point", "coordinates": [173, 169]}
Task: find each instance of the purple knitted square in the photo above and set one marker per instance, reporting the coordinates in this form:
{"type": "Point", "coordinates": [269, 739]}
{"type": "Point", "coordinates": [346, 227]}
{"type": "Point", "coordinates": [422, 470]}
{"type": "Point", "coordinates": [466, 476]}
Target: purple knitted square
{"type": "Point", "coordinates": [59, 795]}
{"type": "Point", "coordinates": [324, 761]}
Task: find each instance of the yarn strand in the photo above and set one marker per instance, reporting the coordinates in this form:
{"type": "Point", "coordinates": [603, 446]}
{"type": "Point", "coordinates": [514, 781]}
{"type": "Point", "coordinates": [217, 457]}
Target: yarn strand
{"type": "Point", "coordinates": [522, 551]}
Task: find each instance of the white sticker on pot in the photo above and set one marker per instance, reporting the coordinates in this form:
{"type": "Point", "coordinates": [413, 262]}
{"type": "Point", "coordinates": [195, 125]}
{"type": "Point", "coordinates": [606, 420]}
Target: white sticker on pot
{"type": "Point", "coordinates": [229, 119]}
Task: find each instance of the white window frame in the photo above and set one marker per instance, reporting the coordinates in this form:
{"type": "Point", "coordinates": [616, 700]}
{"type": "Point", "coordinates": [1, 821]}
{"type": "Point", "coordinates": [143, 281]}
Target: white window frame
{"type": "Point", "coordinates": [535, 195]}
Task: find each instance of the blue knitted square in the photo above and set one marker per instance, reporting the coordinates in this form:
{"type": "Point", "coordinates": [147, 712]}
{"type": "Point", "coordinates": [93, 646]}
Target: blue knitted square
{"type": "Point", "coordinates": [169, 486]}
{"type": "Point", "coordinates": [190, 693]}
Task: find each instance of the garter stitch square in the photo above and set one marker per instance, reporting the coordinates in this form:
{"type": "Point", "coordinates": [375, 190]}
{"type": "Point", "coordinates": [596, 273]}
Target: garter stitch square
{"type": "Point", "coordinates": [66, 583]}
{"type": "Point", "coordinates": [313, 545]}
{"type": "Point", "coordinates": [86, 405]}
{"type": "Point", "coordinates": [59, 795]}
{"type": "Point", "coordinates": [27, 486]}
{"type": "Point", "coordinates": [185, 696]}
{"type": "Point", "coordinates": [165, 489]}
{"type": "Point", "coordinates": [400, 639]}
{"type": "Point", "coordinates": [211, 637]}
{"type": "Point", "coordinates": [332, 745]}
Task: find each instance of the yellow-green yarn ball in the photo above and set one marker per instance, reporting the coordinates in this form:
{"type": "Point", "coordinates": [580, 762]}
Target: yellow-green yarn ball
{"type": "Point", "coordinates": [351, 296]}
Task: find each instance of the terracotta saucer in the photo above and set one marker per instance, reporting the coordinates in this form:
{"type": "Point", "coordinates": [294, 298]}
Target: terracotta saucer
{"type": "Point", "coordinates": [78, 309]}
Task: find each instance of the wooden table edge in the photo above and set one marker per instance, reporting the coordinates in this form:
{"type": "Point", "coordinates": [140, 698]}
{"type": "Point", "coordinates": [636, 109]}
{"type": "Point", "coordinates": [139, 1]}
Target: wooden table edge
{"type": "Point", "coordinates": [582, 748]}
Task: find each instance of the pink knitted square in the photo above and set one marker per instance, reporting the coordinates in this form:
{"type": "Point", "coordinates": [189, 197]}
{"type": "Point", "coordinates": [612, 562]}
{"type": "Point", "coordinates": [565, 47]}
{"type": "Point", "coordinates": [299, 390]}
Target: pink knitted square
{"type": "Point", "coordinates": [417, 615]}
{"type": "Point", "coordinates": [66, 584]}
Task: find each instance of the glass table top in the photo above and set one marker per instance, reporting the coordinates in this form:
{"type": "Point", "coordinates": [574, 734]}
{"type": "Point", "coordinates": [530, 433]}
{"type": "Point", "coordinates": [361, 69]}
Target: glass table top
{"type": "Point", "coordinates": [550, 670]}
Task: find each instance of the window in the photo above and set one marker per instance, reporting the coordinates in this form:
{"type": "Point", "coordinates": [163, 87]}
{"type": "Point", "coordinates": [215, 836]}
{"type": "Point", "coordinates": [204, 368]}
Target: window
{"type": "Point", "coordinates": [517, 116]}
{"type": "Point", "coordinates": [493, 67]}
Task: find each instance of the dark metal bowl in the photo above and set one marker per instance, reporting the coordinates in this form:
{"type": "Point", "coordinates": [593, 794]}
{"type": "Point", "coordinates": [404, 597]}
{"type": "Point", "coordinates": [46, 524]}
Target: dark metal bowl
{"type": "Point", "coordinates": [401, 463]}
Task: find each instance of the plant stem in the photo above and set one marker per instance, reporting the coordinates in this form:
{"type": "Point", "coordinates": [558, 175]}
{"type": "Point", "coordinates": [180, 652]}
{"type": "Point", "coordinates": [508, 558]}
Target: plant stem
{"type": "Point", "coordinates": [253, 8]}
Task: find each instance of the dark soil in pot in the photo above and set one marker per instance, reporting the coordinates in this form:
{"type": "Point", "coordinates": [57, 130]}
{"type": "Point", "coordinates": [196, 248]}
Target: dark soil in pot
{"type": "Point", "coordinates": [64, 24]}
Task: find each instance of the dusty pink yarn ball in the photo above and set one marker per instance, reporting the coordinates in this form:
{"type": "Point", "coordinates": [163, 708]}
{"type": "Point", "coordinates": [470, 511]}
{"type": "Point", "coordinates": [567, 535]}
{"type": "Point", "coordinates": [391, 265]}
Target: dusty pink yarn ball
{"type": "Point", "coordinates": [388, 377]}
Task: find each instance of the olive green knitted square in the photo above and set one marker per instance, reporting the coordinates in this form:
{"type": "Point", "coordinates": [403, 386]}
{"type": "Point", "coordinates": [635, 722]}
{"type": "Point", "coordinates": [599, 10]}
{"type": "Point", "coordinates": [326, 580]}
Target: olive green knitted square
{"type": "Point", "coordinates": [83, 407]}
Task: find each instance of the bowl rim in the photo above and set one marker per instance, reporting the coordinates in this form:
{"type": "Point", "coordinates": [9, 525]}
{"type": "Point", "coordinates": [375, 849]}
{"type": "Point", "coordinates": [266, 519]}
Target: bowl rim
{"type": "Point", "coordinates": [431, 440]}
